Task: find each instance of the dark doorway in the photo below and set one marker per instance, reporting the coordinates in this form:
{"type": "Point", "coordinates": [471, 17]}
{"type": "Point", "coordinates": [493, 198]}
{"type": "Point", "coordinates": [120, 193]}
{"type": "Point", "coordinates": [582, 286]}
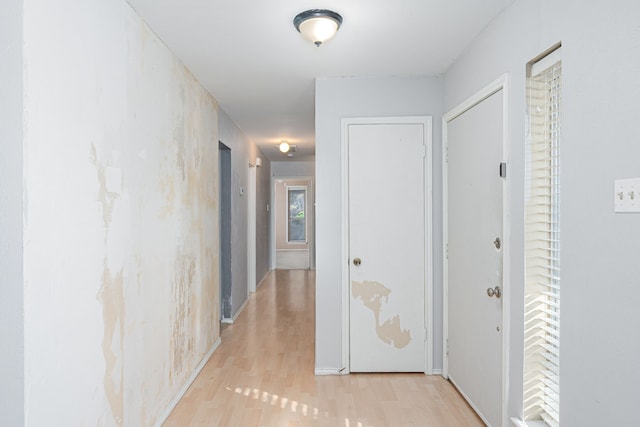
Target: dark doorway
{"type": "Point", "coordinates": [225, 230]}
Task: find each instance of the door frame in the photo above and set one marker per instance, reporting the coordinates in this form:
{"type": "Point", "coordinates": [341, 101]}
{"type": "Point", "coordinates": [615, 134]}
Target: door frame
{"type": "Point", "coordinates": [224, 217]}
{"type": "Point", "coordinates": [500, 84]}
{"type": "Point", "coordinates": [311, 205]}
{"type": "Point", "coordinates": [426, 121]}
{"type": "Point", "coordinates": [251, 228]}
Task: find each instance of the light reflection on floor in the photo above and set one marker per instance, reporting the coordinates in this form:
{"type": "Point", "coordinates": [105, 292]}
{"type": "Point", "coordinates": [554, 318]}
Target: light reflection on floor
{"type": "Point", "coordinates": [293, 405]}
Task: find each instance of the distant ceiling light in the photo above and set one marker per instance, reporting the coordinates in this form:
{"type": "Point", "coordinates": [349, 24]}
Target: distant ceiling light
{"type": "Point", "coordinates": [284, 147]}
{"type": "Point", "coordinates": [317, 25]}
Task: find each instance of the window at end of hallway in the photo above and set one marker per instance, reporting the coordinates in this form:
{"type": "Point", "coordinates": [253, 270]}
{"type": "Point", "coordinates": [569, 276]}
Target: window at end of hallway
{"type": "Point", "coordinates": [297, 223]}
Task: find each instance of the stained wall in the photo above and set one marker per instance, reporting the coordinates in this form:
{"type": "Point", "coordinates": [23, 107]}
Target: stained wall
{"type": "Point", "coordinates": [121, 228]}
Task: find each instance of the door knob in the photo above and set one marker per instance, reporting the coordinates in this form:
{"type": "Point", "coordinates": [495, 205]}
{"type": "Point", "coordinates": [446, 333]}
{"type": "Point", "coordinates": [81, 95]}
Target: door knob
{"type": "Point", "coordinates": [357, 261]}
{"type": "Point", "coordinates": [494, 292]}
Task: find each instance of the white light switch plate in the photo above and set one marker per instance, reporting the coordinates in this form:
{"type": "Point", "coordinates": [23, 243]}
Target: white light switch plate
{"type": "Point", "coordinates": [627, 195]}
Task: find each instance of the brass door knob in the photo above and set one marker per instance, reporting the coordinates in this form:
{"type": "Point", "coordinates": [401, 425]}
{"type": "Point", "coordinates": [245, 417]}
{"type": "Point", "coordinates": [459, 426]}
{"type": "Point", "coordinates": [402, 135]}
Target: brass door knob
{"type": "Point", "coordinates": [357, 261]}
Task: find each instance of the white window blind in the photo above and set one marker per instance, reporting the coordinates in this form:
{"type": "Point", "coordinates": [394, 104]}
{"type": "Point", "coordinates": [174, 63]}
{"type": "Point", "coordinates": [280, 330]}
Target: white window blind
{"type": "Point", "coordinates": [542, 243]}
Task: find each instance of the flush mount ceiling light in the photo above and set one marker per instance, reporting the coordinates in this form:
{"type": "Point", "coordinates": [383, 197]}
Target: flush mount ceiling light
{"type": "Point", "coordinates": [285, 148]}
{"type": "Point", "coordinates": [317, 25]}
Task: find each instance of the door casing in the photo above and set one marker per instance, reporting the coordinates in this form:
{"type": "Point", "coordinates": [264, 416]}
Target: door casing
{"type": "Point", "coordinates": [251, 229]}
{"type": "Point", "coordinates": [428, 129]}
{"type": "Point", "coordinates": [500, 84]}
{"type": "Point", "coordinates": [311, 208]}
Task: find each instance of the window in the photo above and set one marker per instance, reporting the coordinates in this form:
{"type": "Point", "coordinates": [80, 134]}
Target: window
{"type": "Point", "coordinates": [542, 242]}
{"type": "Point", "coordinates": [297, 223]}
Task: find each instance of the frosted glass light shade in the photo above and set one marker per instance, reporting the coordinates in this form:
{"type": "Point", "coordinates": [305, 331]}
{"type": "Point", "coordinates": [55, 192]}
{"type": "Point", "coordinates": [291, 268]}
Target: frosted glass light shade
{"type": "Point", "coordinates": [284, 147]}
{"type": "Point", "coordinates": [317, 25]}
{"type": "Point", "coordinates": [318, 30]}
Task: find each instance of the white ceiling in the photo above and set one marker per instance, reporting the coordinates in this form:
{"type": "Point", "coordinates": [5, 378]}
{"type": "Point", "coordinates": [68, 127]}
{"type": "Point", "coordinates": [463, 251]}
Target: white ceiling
{"type": "Point", "coordinates": [248, 54]}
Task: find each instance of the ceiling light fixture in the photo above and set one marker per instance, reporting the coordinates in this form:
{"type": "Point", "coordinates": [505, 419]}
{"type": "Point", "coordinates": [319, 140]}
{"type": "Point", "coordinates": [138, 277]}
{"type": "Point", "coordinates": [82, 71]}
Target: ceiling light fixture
{"type": "Point", "coordinates": [317, 25]}
{"type": "Point", "coordinates": [283, 147]}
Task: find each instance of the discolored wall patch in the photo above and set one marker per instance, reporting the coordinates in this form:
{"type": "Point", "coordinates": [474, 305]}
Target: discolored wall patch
{"type": "Point", "coordinates": [182, 338]}
{"type": "Point", "coordinates": [113, 312]}
{"type": "Point", "coordinates": [374, 295]}
{"type": "Point", "coordinates": [105, 197]}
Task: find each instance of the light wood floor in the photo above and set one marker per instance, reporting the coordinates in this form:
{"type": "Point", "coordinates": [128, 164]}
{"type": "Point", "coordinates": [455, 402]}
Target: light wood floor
{"type": "Point", "coordinates": [262, 375]}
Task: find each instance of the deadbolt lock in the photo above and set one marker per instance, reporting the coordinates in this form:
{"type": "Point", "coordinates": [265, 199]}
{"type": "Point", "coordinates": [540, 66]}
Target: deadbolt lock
{"type": "Point", "coordinates": [357, 261]}
{"type": "Point", "coordinates": [497, 242]}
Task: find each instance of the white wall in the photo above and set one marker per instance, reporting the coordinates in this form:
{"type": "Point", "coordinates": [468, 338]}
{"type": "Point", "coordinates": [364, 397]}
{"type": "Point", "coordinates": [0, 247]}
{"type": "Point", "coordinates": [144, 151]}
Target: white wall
{"type": "Point", "coordinates": [243, 152]}
{"type": "Point", "coordinates": [600, 336]}
{"type": "Point", "coordinates": [293, 168]}
{"type": "Point", "coordinates": [363, 97]}
{"type": "Point", "coordinates": [11, 260]}
{"type": "Point", "coordinates": [121, 231]}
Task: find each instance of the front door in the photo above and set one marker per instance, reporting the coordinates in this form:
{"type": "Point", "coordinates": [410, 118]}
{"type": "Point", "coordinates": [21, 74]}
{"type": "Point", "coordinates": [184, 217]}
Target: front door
{"type": "Point", "coordinates": [387, 244]}
{"type": "Point", "coordinates": [474, 267]}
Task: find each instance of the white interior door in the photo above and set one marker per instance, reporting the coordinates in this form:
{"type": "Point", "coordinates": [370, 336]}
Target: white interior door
{"type": "Point", "coordinates": [387, 244]}
{"type": "Point", "coordinates": [475, 262]}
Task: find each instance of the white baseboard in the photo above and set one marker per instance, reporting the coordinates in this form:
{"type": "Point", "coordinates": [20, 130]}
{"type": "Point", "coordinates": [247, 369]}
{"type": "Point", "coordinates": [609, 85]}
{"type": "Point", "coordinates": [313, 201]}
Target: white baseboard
{"type": "Point", "coordinates": [436, 372]}
{"type": "Point", "coordinates": [328, 371]}
{"type": "Point", "coordinates": [165, 414]}
{"type": "Point", "coordinates": [235, 316]}
{"type": "Point", "coordinates": [263, 279]}
{"type": "Point", "coordinates": [470, 402]}
{"type": "Point", "coordinates": [517, 422]}
{"type": "Point", "coordinates": [242, 307]}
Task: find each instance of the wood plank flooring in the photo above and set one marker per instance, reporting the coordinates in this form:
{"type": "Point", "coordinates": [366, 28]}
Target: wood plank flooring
{"type": "Point", "coordinates": [263, 375]}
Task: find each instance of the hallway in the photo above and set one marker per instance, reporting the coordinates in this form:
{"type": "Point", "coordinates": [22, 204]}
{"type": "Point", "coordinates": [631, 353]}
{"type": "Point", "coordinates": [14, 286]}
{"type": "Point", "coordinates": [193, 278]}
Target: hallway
{"type": "Point", "coordinates": [263, 375]}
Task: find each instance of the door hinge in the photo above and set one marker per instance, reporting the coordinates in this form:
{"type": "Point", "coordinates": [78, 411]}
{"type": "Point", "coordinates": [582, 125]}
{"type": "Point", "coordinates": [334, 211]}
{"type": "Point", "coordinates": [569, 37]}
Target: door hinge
{"type": "Point", "coordinates": [446, 251]}
{"type": "Point", "coordinates": [447, 346]}
{"type": "Point", "coordinates": [503, 170]}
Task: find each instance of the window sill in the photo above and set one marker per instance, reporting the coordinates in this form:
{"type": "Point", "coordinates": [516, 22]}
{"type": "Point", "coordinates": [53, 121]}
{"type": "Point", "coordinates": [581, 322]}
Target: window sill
{"type": "Point", "coordinates": [517, 422]}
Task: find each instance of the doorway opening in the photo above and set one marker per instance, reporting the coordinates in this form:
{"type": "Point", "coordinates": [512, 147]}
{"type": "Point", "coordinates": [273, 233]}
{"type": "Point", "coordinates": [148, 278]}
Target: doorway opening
{"type": "Point", "coordinates": [293, 218]}
{"type": "Point", "coordinates": [224, 170]}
